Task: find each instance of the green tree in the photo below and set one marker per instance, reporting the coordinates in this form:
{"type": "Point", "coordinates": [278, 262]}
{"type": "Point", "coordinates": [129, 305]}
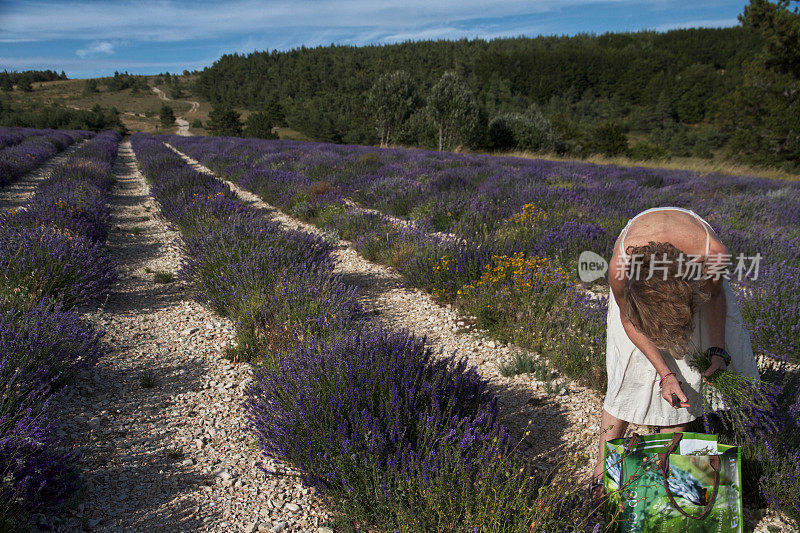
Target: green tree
{"type": "Point", "coordinates": [779, 27]}
{"type": "Point", "coordinates": [605, 78]}
{"type": "Point", "coordinates": [694, 89]}
{"type": "Point", "coordinates": [609, 138]}
{"type": "Point", "coordinates": [274, 111]}
{"type": "Point", "coordinates": [391, 101]}
{"type": "Point", "coordinates": [97, 118]}
{"type": "Point", "coordinates": [258, 125]}
{"type": "Point", "coordinates": [525, 131]}
{"type": "Point", "coordinates": [176, 90]}
{"type": "Point", "coordinates": [501, 133]}
{"type": "Point", "coordinates": [167, 116]}
{"type": "Point", "coordinates": [453, 109]}
{"type": "Point", "coordinates": [762, 116]}
{"type": "Point", "coordinates": [664, 113]}
{"type": "Point", "coordinates": [222, 120]}
{"type": "Point", "coordinates": [534, 132]}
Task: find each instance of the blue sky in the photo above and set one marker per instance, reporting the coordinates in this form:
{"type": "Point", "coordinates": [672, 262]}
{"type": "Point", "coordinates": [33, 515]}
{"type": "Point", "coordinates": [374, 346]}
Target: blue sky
{"type": "Point", "coordinates": [92, 38]}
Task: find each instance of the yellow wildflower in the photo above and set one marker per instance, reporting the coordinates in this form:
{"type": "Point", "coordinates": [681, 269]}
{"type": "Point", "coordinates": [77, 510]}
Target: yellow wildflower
{"type": "Point", "coordinates": [530, 214]}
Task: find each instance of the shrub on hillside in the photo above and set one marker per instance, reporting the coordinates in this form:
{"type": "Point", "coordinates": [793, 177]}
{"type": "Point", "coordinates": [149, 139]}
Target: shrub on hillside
{"type": "Point", "coordinates": [258, 125]}
{"type": "Point", "coordinates": [645, 151]}
{"type": "Point", "coordinates": [224, 121]}
{"type": "Point", "coordinates": [166, 116]}
{"type": "Point", "coordinates": [608, 138]}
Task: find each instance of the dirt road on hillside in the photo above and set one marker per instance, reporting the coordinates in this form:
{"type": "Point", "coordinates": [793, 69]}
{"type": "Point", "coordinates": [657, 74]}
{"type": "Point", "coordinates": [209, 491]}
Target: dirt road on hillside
{"type": "Point", "coordinates": [183, 124]}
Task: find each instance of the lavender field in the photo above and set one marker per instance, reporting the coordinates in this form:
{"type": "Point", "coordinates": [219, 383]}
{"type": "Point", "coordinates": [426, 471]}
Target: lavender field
{"type": "Point", "coordinates": [374, 426]}
{"type": "Point", "coordinates": [500, 238]}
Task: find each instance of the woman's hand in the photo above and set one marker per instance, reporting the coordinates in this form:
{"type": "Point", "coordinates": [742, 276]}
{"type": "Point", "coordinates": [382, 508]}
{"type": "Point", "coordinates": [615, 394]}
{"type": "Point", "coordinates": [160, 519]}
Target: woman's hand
{"type": "Point", "coordinates": [717, 363]}
{"type": "Point", "coordinates": [671, 386]}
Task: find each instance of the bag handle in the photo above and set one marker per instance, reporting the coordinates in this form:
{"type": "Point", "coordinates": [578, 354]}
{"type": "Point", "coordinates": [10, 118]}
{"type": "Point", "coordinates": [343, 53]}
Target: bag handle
{"type": "Point", "coordinates": [632, 442]}
{"type": "Point", "coordinates": [663, 461]}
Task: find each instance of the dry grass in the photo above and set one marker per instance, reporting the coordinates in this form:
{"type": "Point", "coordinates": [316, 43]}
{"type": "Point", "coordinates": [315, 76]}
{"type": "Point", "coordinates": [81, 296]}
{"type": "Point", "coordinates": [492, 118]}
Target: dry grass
{"type": "Point", "coordinates": [69, 93]}
{"type": "Point", "coordinates": [135, 123]}
{"type": "Point", "coordinates": [319, 188]}
{"type": "Point", "coordinates": [292, 135]}
{"type": "Point", "coordinates": [694, 164]}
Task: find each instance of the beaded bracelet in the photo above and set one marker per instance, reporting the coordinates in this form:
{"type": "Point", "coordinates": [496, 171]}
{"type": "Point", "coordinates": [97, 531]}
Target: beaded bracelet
{"type": "Point", "coordinates": [665, 377]}
{"type": "Point", "coordinates": [720, 352]}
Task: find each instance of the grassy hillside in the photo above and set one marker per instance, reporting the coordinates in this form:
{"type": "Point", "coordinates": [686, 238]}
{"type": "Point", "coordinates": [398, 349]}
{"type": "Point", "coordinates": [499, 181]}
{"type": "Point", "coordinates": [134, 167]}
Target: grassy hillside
{"type": "Point", "coordinates": [138, 109]}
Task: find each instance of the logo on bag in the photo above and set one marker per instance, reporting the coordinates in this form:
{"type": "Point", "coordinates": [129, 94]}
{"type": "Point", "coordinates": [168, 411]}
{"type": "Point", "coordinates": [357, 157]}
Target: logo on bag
{"type": "Point", "coordinates": [591, 266]}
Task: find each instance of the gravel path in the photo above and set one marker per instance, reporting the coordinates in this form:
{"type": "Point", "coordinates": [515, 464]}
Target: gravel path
{"type": "Point", "coordinates": [183, 126]}
{"type": "Point", "coordinates": [17, 193]}
{"type": "Point", "coordinates": [159, 420]}
{"type": "Point", "coordinates": [562, 424]}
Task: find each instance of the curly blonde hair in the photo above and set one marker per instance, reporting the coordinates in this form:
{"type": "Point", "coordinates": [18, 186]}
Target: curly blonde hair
{"type": "Point", "coordinates": [663, 306]}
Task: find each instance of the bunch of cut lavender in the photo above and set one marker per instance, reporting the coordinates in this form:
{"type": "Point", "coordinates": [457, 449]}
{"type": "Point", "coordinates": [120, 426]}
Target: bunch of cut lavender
{"type": "Point", "coordinates": [748, 404]}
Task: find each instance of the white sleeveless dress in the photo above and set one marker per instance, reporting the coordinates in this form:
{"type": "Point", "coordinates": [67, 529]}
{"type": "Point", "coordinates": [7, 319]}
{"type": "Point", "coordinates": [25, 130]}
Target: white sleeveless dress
{"type": "Point", "coordinates": [633, 393]}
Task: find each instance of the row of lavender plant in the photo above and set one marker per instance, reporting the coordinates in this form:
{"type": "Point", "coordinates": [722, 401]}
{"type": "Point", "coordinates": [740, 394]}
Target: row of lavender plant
{"type": "Point", "coordinates": [525, 222]}
{"type": "Point", "coordinates": [392, 435]}
{"type": "Point", "coordinates": [53, 261]}
{"type": "Point", "coordinates": [9, 136]}
{"type": "Point", "coordinates": [19, 158]}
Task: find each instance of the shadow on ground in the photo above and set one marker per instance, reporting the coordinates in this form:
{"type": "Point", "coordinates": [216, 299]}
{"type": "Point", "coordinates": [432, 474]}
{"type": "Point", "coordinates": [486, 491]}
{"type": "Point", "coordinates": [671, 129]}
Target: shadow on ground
{"type": "Point", "coordinates": [134, 479]}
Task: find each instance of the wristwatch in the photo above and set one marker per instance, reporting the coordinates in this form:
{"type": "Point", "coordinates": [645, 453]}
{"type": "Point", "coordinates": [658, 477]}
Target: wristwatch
{"type": "Point", "coordinates": [716, 350]}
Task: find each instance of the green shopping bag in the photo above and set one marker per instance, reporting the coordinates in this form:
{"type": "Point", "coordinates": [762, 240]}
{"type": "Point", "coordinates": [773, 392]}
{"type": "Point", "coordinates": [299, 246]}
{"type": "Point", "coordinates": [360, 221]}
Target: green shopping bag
{"type": "Point", "coordinates": [673, 482]}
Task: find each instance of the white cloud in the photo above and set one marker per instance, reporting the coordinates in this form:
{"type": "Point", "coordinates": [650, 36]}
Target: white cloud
{"type": "Point", "coordinates": [96, 49]}
{"type": "Point", "coordinates": [165, 21]}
